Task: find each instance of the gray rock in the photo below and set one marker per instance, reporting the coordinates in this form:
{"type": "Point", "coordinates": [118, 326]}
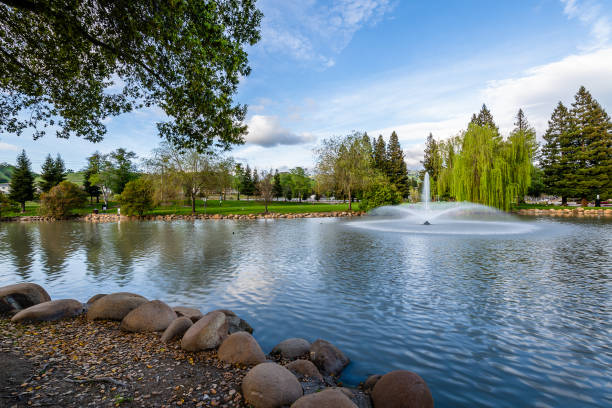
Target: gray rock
{"type": "Point", "coordinates": [177, 328]}
{"type": "Point", "coordinates": [236, 324]}
{"type": "Point", "coordinates": [190, 312]}
{"type": "Point", "coordinates": [114, 306]}
{"type": "Point", "coordinates": [328, 358]}
{"type": "Point", "coordinates": [292, 348]}
{"type": "Point", "coordinates": [329, 398]}
{"type": "Point", "coordinates": [49, 311]}
{"type": "Point", "coordinates": [269, 385]}
{"type": "Point", "coordinates": [241, 348]}
{"type": "Point", "coordinates": [206, 333]}
{"type": "Point", "coordinates": [14, 298]}
{"type": "Point", "coordinates": [148, 317]}
{"type": "Point", "coordinates": [304, 368]}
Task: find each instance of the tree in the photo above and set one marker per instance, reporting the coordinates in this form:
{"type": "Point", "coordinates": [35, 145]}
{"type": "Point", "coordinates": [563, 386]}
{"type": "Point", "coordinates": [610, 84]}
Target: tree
{"type": "Point", "coordinates": [344, 164]}
{"type": "Point", "coordinates": [137, 197]}
{"type": "Point", "coordinates": [300, 182]}
{"type": "Point", "coordinates": [397, 170]}
{"type": "Point", "coordinates": [432, 161]}
{"type": "Point", "coordinates": [93, 167]}
{"type": "Point", "coordinates": [553, 167]}
{"type": "Point", "coordinates": [125, 170]}
{"type": "Point", "coordinates": [380, 192]}
{"type": "Point", "coordinates": [485, 118]}
{"type": "Point", "coordinates": [277, 188]}
{"type": "Point", "coordinates": [72, 64]}
{"type": "Point", "coordinates": [238, 177]}
{"type": "Point", "coordinates": [104, 178]}
{"type": "Point", "coordinates": [6, 204]}
{"type": "Point", "coordinates": [22, 181]}
{"type": "Point", "coordinates": [53, 173]}
{"type": "Point", "coordinates": [380, 155]}
{"type": "Point", "coordinates": [247, 186]}
{"type": "Point", "coordinates": [521, 149]}
{"type": "Point", "coordinates": [255, 182]}
{"type": "Point", "coordinates": [266, 187]}
{"type": "Point", "coordinates": [62, 199]}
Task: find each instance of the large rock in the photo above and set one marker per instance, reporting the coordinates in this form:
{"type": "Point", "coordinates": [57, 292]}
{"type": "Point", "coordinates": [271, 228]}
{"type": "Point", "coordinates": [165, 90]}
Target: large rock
{"type": "Point", "coordinates": [148, 317]}
{"type": "Point", "coordinates": [269, 385]}
{"type": "Point", "coordinates": [95, 297]}
{"type": "Point", "coordinates": [114, 306]}
{"type": "Point", "coordinates": [52, 310]}
{"type": "Point", "coordinates": [190, 312]}
{"type": "Point", "coordinates": [292, 348]}
{"type": "Point", "coordinates": [235, 324]}
{"type": "Point", "coordinates": [177, 328]}
{"type": "Point", "coordinates": [329, 398]}
{"type": "Point", "coordinates": [304, 368]}
{"type": "Point", "coordinates": [401, 389]}
{"type": "Point", "coordinates": [370, 382]}
{"type": "Point", "coordinates": [328, 358]}
{"type": "Point", "coordinates": [14, 298]}
{"type": "Point", "coordinates": [241, 348]}
{"type": "Point", "coordinates": [206, 333]}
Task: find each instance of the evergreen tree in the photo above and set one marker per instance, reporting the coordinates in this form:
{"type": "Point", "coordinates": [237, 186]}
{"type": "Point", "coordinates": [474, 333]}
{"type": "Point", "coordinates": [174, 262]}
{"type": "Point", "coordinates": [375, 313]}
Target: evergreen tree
{"type": "Point", "coordinates": [589, 143]}
{"type": "Point", "coordinates": [397, 170]}
{"type": "Point", "coordinates": [521, 121]}
{"type": "Point", "coordinates": [485, 118]}
{"type": "Point", "coordinates": [553, 167]}
{"type": "Point", "coordinates": [47, 174]}
{"type": "Point", "coordinates": [277, 188]}
{"type": "Point", "coordinates": [247, 186]}
{"type": "Point", "coordinates": [59, 170]}
{"type": "Point", "coordinates": [520, 149]}
{"type": "Point", "coordinates": [238, 179]}
{"type": "Point", "coordinates": [93, 167]}
{"type": "Point", "coordinates": [432, 161]}
{"type": "Point", "coordinates": [256, 182]}
{"type": "Point", "coordinates": [22, 181]}
{"type": "Point", "coordinates": [380, 155]}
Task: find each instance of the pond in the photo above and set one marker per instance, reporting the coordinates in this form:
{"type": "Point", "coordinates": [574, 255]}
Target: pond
{"type": "Point", "coordinates": [505, 320]}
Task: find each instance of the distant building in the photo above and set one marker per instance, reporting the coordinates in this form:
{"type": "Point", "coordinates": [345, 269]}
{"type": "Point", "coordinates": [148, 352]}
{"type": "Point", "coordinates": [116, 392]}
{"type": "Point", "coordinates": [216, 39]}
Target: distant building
{"type": "Point", "coordinates": [5, 187]}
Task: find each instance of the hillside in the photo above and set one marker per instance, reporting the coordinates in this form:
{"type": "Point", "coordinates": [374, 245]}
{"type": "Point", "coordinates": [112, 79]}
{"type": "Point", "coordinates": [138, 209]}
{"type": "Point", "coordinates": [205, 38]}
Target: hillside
{"type": "Point", "coordinates": [5, 172]}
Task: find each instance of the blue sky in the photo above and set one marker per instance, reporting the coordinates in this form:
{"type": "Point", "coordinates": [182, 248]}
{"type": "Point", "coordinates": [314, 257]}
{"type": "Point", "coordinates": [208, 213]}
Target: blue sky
{"type": "Point", "coordinates": [327, 68]}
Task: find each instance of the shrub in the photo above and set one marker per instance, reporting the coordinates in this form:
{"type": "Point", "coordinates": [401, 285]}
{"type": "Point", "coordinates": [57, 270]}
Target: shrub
{"type": "Point", "coordinates": [137, 197]}
{"type": "Point", "coordinates": [62, 199]}
{"type": "Point", "coordinates": [380, 193]}
{"type": "Point", "coordinates": [7, 205]}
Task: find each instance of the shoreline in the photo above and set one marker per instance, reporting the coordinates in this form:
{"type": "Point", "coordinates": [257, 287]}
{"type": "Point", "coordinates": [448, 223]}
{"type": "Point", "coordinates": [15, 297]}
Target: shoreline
{"type": "Point", "coordinates": [577, 212]}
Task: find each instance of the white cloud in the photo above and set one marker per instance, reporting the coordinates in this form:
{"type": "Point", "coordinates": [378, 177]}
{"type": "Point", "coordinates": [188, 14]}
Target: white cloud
{"type": "Point", "coordinates": [8, 146]}
{"type": "Point", "coordinates": [267, 131]}
{"type": "Point", "coordinates": [590, 13]}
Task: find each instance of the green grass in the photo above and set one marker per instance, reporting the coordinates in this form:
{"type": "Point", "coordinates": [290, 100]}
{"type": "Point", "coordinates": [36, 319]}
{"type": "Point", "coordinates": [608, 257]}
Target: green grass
{"type": "Point", "coordinates": [212, 207]}
{"type": "Point", "coordinates": [548, 207]}
{"type": "Point", "coordinates": [76, 178]}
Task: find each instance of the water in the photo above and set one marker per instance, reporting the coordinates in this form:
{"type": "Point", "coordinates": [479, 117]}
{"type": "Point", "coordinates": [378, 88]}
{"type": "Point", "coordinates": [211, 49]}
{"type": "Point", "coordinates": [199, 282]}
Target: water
{"type": "Point", "coordinates": [486, 318]}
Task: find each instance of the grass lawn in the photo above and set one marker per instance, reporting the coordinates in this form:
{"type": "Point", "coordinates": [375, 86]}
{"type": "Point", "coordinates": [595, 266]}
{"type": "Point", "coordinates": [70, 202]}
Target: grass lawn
{"type": "Point", "coordinates": [212, 207]}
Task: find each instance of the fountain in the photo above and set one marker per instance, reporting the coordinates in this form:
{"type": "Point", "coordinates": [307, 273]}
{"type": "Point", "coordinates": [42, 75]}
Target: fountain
{"type": "Point", "coordinates": [457, 218]}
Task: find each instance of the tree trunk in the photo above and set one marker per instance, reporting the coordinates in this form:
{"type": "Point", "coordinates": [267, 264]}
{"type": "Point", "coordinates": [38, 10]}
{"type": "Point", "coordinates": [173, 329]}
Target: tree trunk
{"type": "Point", "coordinates": [266, 206]}
{"type": "Point", "coordinates": [350, 200]}
{"type": "Point", "coordinates": [584, 202]}
{"type": "Point", "coordinates": [23, 206]}
{"type": "Point", "coordinates": [97, 199]}
{"type": "Point", "coordinates": [192, 203]}
{"type": "Point", "coordinates": [563, 200]}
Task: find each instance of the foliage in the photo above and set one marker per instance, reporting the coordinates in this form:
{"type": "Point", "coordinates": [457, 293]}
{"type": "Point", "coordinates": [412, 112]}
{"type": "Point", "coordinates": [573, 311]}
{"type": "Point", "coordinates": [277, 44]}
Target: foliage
{"type": "Point", "coordinates": [485, 118]}
{"type": "Point", "coordinates": [6, 204]}
{"type": "Point", "coordinates": [114, 171]}
{"type": "Point", "coordinates": [62, 199]}
{"type": "Point", "coordinates": [550, 159]}
{"type": "Point", "coordinates": [6, 170]}
{"type": "Point", "coordinates": [433, 162]}
{"type": "Point", "coordinates": [53, 173]}
{"type": "Point", "coordinates": [380, 192]}
{"type": "Point", "coordinates": [380, 155]}
{"type": "Point", "coordinates": [301, 184]}
{"type": "Point", "coordinates": [137, 197]}
{"type": "Point", "coordinates": [537, 187]}
{"type": "Point", "coordinates": [72, 64]}
{"type": "Point", "coordinates": [22, 181]}
{"type": "Point", "coordinates": [277, 188]}
{"type": "Point", "coordinates": [93, 167]}
{"type": "Point", "coordinates": [247, 186]}
{"type": "Point", "coordinates": [397, 171]}
{"type": "Point", "coordinates": [266, 187]}
{"type": "Point", "coordinates": [124, 169]}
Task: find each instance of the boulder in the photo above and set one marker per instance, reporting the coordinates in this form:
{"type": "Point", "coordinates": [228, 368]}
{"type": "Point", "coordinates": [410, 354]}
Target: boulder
{"type": "Point", "coordinates": [370, 382]}
{"type": "Point", "coordinates": [304, 368]}
{"type": "Point", "coordinates": [401, 389]}
{"type": "Point", "coordinates": [14, 298]}
{"type": "Point", "coordinates": [235, 323]}
{"type": "Point", "coordinates": [329, 398]}
{"type": "Point", "coordinates": [241, 348]}
{"type": "Point", "coordinates": [95, 297]}
{"type": "Point", "coordinates": [189, 312]}
{"type": "Point", "coordinates": [52, 310]}
{"type": "Point", "coordinates": [206, 333]}
{"type": "Point", "coordinates": [328, 358]}
{"type": "Point", "coordinates": [292, 348]}
{"type": "Point", "coordinates": [177, 328]}
{"type": "Point", "coordinates": [148, 317]}
{"type": "Point", "coordinates": [114, 306]}
{"type": "Point", "coordinates": [269, 385]}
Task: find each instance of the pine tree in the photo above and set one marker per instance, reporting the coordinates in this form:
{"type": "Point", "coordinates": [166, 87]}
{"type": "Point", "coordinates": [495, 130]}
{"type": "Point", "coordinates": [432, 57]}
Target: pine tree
{"type": "Point", "coordinates": [256, 182]}
{"type": "Point", "coordinates": [247, 187]}
{"type": "Point", "coordinates": [47, 174]}
{"type": "Point", "coordinates": [554, 169]}
{"type": "Point", "coordinates": [590, 147]}
{"type": "Point", "coordinates": [380, 155]}
{"type": "Point", "coordinates": [521, 122]}
{"type": "Point", "coordinates": [521, 148]}
{"type": "Point", "coordinates": [485, 118]}
{"type": "Point", "coordinates": [22, 181]}
{"type": "Point", "coordinates": [277, 189]}
{"type": "Point", "coordinates": [397, 169]}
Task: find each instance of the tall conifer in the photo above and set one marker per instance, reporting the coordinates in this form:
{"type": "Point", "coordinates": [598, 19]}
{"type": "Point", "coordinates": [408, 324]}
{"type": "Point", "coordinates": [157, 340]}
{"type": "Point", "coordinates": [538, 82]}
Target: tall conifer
{"type": "Point", "coordinates": [553, 167]}
{"type": "Point", "coordinates": [397, 170]}
{"type": "Point", "coordinates": [22, 181]}
{"type": "Point", "coordinates": [380, 155]}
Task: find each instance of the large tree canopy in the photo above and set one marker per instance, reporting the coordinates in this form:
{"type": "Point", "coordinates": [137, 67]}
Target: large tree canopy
{"type": "Point", "coordinates": [67, 65]}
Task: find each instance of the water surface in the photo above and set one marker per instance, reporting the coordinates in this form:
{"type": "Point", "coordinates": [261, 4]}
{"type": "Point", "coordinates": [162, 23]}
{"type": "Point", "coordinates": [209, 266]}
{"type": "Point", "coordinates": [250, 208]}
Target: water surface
{"type": "Point", "coordinates": [503, 320]}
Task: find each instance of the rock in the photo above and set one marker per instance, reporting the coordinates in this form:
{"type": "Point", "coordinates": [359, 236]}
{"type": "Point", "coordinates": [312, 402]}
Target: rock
{"type": "Point", "coordinates": [328, 358]}
{"type": "Point", "coordinates": [292, 348]}
{"type": "Point", "coordinates": [14, 298]}
{"type": "Point", "coordinates": [206, 333]}
{"type": "Point", "coordinates": [148, 317]}
{"type": "Point", "coordinates": [52, 310]}
{"type": "Point", "coordinates": [401, 389]}
{"type": "Point", "coordinates": [371, 381]}
{"type": "Point", "coordinates": [235, 323]}
{"type": "Point", "coordinates": [304, 368]}
{"type": "Point", "coordinates": [177, 328]}
{"type": "Point", "coordinates": [241, 348]}
{"type": "Point", "coordinates": [95, 297]}
{"type": "Point", "coordinates": [269, 385]}
{"type": "Point", "coordinates": [191, 313]}
{"type": "Point", "coordinates": [114, 306]}
{"type": "Point", "coordinates": [329, 398]}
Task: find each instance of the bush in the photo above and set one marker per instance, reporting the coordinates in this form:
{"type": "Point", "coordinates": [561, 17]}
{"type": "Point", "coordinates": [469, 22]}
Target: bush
{"type": "Point", "coordinates": [137, 197]}
{"type": "Point", "coordinates": [7, 205]}
{"type": "Point", "coordinates": [380, 193]}
{"type": "Point", "coordinates": [62, 199]}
